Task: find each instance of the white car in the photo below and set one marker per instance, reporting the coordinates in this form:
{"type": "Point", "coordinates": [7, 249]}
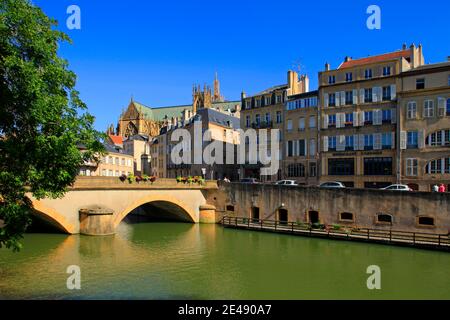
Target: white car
{"type": "Point", "coordinates": [332, 185]}
{"type": "Point", "coordinates": [398, 187]}
{"type": "Point", "coordinates": [286, 183]}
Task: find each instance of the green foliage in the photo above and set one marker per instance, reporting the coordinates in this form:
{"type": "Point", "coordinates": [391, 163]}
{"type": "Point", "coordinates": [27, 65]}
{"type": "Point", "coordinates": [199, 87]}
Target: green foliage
{"type": "Point", "coordinates": [43, 121]}
{"type": "Point", "coordinates": [336, 227]}
{"type": "Point", "coordinates": [131, 178]}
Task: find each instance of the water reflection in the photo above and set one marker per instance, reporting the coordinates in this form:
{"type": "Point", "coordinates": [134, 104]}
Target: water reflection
{"type": "Point", "coordinates": [187, 261]}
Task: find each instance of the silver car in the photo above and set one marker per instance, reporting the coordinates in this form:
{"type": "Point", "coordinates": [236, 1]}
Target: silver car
{"type": "Point", "coordinates": [398, 187]}
{"type": "Point", "coordinates": [332, 185]}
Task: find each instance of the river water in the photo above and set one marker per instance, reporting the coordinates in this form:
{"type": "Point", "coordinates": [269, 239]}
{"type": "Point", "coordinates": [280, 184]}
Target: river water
{"type": "Point", "coordinates": [185, 261]}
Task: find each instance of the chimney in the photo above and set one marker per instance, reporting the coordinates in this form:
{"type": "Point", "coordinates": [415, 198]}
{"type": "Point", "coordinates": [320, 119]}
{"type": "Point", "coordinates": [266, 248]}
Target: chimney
{"type": "Point", "coordinates": [421, 59]}
{"type": "Point", "coordinates": [347, 59]}
{"type": "Point", "coordinates": [404, 47]}
{"type": "Point", "coordinates": [243, 95]}
{"type": "Point", "coordinates": [413, 62]}
{"type": "Point", "coordinates": [292, 79]}
{"type": "Point", "coordinates": [448, 58]}
{"type": "Point", "coordinates": [327, 66]}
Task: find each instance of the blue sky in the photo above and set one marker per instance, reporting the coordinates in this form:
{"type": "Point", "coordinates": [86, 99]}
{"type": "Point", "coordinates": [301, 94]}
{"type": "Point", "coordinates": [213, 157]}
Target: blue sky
{"type": "Point", "coordinates": [156, 50]}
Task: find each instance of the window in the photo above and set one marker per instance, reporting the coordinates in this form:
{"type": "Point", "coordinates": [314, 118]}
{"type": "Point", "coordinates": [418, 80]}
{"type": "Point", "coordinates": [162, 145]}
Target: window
{"type": "Point", "coordinates": [435, 166]}
{"type": "Point", "coordinates": [349, 77]}
{"type": "Point", "coordinates": [349, 143]}
{"type": "Point", "coordinates": [428, 108]}
{"type": "Point", "coordinates": [230, 208]}
{"type": "Point", "coordinates": [290, 149]}
{"type": "Point", "coordinates": [386, 93]}
{"type": "Point", "coordinates": [348, 97]}
{"type": "Point", "coordinates": [110, 173]}
{"type": "Point", "coordinates": [302, 149]}
{"type": "Point", "coordinates": [247, 121]}
{"type": "Point", "coordinates": [368, 117]}
{"type": "Point", "coordinates": [411, 112]}
{"type": "Point", "coordinates": [448, 105]}
{"type": "Point", "coordinates": [312, 169]}
{"type": "Point", "coordinates": [420, 83]}
{"type": "Point", "coordinates": [278, 98]}
{"type": "Point", "coordinates": [332, 143]}
{"type": "Point", "coordinates": [386, 116]}
{"type": "Point", "coordinates": [296, 170]}
{"type": "Point", "coordinates": [341, 167]}
{"type": "Point", "coordinates": [386, 140]}
{"type": "Point", "coordinates": [312, 147]}
{"type": "Point", "coordinates": [258, 120]}
{"type": "Point", "coordinates": [411, 167]}
{"type": "Point", "coordinates": [332, 100]}
{"type": "Point", "coordinates": [379, 166]}
{"type": "Point", "coordinates": [289, 125]}
{"type": "Point", "coordinates": [435, 139]}
{"type": "Point", "coordinates": [346, 216]}
{"type": "Point", "coordinates": [104, 173]}
{"type": "Point", "coordinates": [368, 73]}
{"type": "Point", "coordinates": [268, 118]}
{"type": "Point", "coordinates": [258, 102]}
{"type": "Point", "coordinates": [248, 104]}
{"type": "Point", "coordinates": [386, 71]}
{"type": "Point", "coordinates": [349, 119]}
{"type": "Point", "coordinates": [412, 140]}
{"type": "Point", "coordinates": [384, 218]}
{"type": "Point", "coordinates": [268, 101]}
{"type": "Point", "coordinates": [301, 124]}
{"type": "Point", "coordinates": [279, 120]}
{"type": "Point", "coordinates": [331, 120]}
{"type": "Point", "coordinates": [425, 221]}
{"type": "Point", "coordinates": [331, 79]}
{"type": "Point", "coordinates": [312, 121]}
{"type": "Point", "coordinates": [368, 95]}
{"type": "Point", "coordinates": [368, 142]}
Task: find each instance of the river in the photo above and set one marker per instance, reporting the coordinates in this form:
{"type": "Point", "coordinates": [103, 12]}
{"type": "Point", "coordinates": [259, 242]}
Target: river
{"type": "Point", "coordinates": [185, 261]}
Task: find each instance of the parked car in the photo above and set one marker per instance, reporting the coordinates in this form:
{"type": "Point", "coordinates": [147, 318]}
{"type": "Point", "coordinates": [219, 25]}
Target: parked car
{"type": "Point", "coordinates": [286, 183]}
{"type": "Point", "coordinates": [398, 187]}
{"type": "Point", "coordinates": [332, 185]}
{"type": "Point", "coordinates": [249, 181]}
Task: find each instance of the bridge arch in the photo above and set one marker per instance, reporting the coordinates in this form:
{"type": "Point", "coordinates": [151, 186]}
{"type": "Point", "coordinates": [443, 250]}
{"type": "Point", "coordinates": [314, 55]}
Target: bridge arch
{"type": "Point", "coordinates": [189, 212]}
{"type": "Point", "coordinates": [54, 217]}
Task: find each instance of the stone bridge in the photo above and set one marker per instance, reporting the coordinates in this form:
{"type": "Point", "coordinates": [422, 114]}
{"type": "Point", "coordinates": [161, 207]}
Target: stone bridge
{"type": "Point", "coordinates": [96, 205]}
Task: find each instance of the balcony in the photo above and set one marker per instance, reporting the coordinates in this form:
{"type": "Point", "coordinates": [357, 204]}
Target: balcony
{"type": "Point", "coordinates": [263, 125]}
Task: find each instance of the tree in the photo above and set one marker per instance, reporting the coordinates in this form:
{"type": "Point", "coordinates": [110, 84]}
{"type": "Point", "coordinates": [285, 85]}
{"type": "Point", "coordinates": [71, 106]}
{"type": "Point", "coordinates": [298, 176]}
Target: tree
{"type": "Point", "coordinates": [42, 119]}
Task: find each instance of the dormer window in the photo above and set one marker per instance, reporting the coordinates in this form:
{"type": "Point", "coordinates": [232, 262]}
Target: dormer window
{"type": "Point", "coordinates": [349, 77]}
{"type": "Point", "coordinates": [268, 101]}
{"type": "Point", "coordinates": [386, 71]}
{"type": "Point", "coordinates": [331, 79]}
{"type": "Point", "coordinates": [368, 73]}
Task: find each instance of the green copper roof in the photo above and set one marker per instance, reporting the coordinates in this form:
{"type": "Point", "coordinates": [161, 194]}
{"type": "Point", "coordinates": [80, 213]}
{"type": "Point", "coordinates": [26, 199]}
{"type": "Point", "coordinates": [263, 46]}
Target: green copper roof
{"type": "Point", "coordinates": [160, 113]}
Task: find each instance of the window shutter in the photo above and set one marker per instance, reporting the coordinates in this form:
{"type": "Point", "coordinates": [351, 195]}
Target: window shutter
{"type": "Point", "coordinates": [356, 142]}
{"type": "Point", "coordinates": [325, 100]}
{"type": "Point", "coordinates": [342, 98]}
{"type": "Point", "coordinates": [443, 138]}
{"type": "Point", "coordinates": [393, 92]}
{"type": "Point", "coordinates": [287, 149]}
{"type": "Point", "coordinates": [441, 107]}
{"type": "Point", "coordinates": [343, 120]}
{"type": "Point", "coordinates": [362, 118]}
{"type": "Point", "coordinates": [377, 117]}
{"type": "Point", "coordinates": [355, 96]}
{"type": "Point", "coordinates": [338, 120]}
{"type": "Point", "coordinates": [361, 95]}
{"type": "Point", "coordinates": [374, 94]}
{"type": "Point", "coordinates": [377, 141]}
{"type": "Point", "coordinates": [421, 139]}
{"type": "Point", "coordinates": [337, 99]}
{"type": "Point", "coordinates": [443, 165]}
{"type": "Point", "coordinates": [325, 121]}
{"type": "Point", "coordinates": [393, 140]}
{"type": "Point", "coordinates": [355, 119]}
{"type": "Point", "coordinates": [361, 142]}
{"type": "Point", "coordinates": [393, 116]}
{"type": "Point", "coordinates": [403, 136]}
{"type": "Point", "coordinates": [325, 144]}
{"type": "Point", "coordinates": [340, 143]}
{"type": "Point", "coordinates": [305, 148]}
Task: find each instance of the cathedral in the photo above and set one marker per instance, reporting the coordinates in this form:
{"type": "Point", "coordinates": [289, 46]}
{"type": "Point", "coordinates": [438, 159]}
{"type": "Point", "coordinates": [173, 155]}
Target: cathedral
{"type": "Point", "coordinates": [145, 120]}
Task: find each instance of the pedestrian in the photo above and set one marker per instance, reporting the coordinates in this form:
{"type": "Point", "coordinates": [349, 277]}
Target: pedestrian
{"type": "Point", "coordinates": [442, 188]}
{"type": "Point", "coordinates": [435, 188]}
{"type": "Point", "coordinates": [225, 179]}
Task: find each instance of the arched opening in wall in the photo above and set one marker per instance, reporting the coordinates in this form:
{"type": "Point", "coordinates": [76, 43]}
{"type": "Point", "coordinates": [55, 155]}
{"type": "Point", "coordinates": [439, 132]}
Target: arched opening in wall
{"type": "Point", "coordinates": [43, 223]}
{"type": "Point", "coordinates": [346, 217]}
{"type": "Point", "coordinates": [313, 217]}
{"type": "Point", "coordinates": [414, 186]}
{"type": "Point", "coordinates": [283, 216]}
{"type": "Point", "coordinates": [255, 214]}
{"type": "Point", "coordinates": [383, 218]}
{"type": "Point", "coordinates": [425, 221]}
{"type": "Point", "coordinates": [158, 211]}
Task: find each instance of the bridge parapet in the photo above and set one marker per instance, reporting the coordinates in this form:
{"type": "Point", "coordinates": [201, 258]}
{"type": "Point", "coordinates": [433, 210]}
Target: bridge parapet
{"type": "Point", "coordinates": [109, 183]}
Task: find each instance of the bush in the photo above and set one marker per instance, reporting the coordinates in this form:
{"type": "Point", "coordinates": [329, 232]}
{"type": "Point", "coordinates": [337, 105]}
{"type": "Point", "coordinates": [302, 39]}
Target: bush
{"type": "Point", "coordinates": [123, 178]}
{"type": "Point", "coordinates": [131, 178]}
{"type": "Point", "coordinates": [336, 227]}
